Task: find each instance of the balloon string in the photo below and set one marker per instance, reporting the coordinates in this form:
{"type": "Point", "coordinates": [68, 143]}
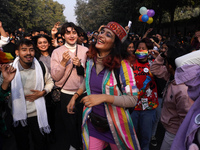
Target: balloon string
{"type": "Point", "coordinates": [144, 28]}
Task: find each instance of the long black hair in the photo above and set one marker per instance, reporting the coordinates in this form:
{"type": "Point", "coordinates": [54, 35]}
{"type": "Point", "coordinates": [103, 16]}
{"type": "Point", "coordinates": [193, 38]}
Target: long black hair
{"type": "Point", "coordinates": [38, 52]}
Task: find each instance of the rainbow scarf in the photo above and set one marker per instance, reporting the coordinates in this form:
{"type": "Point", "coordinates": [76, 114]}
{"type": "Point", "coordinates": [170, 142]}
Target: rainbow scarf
{"type": "Point", "coordinates": [119, 118]}
{"type": "Point", "coordinates": [141, 54]}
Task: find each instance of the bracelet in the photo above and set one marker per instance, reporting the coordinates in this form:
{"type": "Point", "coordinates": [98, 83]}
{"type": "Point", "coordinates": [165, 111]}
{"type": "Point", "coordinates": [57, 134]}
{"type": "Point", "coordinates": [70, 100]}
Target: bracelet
{"type": "Point", "coordinates": [77, 94]}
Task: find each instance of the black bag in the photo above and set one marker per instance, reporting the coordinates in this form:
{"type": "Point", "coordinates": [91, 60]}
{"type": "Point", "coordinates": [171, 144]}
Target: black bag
{"type": "Point", "coordinates": [56, 91]}
{"type": "Point", "coordinates": [55, 94]}
{"type": "Point", "coordinates": [100, 123]}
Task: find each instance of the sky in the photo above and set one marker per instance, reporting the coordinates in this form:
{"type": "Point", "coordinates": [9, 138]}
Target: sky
{"type": "Point", "coordinates": [69, 9]}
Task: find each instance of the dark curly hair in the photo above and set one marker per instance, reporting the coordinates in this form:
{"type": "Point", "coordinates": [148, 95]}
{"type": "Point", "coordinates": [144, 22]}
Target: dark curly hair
{"type": "Point", "coordinates": [147, 41]}
{"type": "Point", "coordinates": [66, 25]}
{"type": "Point", "coordinates": [38, 52]}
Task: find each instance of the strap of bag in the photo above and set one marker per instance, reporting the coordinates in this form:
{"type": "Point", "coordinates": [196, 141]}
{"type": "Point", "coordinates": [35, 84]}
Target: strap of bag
{"type": "Point", "coordinates": [71, 68]}
{"type": "Point", "coordinates": [43, 68]}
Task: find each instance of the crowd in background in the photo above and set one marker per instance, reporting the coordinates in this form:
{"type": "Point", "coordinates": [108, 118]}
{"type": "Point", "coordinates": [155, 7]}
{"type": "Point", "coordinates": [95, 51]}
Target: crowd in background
{"type": "Point", "coordinates": [151, 91]}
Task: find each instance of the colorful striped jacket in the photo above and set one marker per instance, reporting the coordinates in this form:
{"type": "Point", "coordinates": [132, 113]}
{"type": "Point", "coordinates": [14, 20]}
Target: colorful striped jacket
{"type": "Point", "coordinates": [118, 118]}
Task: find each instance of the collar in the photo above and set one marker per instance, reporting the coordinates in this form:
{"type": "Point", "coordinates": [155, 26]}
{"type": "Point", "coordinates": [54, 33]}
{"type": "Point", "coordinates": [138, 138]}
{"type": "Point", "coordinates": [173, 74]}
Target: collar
{"type": "Point", "coordinates": [21, 68]}
{"type": "Point", "coordinates": [70, 46]}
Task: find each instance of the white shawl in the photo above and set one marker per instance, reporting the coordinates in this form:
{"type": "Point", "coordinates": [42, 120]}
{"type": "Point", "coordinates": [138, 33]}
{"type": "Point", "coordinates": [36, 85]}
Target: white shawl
{"type": "Point", "coordinates": [18, 99]}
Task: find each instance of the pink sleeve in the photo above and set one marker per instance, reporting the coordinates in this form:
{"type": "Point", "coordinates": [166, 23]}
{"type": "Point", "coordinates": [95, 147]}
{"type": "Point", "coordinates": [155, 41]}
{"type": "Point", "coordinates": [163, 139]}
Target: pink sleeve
{"type": "Point", "coordinates": [57, 70]}
{"type": "Point", "coordinates": [159, 69]}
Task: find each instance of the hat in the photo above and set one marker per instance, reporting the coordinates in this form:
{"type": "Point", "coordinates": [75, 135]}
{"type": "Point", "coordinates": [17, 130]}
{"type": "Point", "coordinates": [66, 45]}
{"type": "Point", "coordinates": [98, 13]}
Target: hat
{"type": "Point", "coordinates": [118, 30]}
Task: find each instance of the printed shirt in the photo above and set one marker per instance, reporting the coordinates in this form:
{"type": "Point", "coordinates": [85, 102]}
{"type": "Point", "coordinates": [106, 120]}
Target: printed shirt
{"type": "Point", "coordinates": [119, 119]}
{"type": "Point", "coordinates": [147, 95]}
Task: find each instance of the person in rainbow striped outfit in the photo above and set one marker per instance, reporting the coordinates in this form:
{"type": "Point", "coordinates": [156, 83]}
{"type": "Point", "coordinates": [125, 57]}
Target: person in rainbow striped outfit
{"type": "Point", "coordinates": [111, 88]}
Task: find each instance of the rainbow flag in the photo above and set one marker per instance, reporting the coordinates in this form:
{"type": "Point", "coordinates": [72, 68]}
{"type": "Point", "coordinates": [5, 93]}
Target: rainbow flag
{"type": "Point", "coordinates": [5, 57]}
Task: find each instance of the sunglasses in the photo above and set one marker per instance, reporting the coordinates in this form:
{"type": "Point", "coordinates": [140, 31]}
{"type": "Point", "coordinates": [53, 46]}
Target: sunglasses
{"type": "Point", "coordinates": [60, 41]}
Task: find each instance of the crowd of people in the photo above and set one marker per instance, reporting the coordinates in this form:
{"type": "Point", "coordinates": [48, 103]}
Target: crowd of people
{"type": "Point", "coordinates": [112, 86]}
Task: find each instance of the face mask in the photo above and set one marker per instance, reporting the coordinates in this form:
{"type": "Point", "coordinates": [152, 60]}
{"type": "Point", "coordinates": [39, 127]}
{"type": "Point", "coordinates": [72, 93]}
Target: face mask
{"type": "Point", "coordinates": [141, 54]}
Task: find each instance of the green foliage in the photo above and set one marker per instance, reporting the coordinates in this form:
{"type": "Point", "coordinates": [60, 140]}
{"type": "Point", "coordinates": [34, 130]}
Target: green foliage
{"type": "Point", "coordinates": [91, 14]}
{"type": "Point", "coordinates": [31, 14]}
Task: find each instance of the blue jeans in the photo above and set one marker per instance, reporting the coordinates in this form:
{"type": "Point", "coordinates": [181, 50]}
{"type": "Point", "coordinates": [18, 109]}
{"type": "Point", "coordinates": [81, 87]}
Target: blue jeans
{"type": "Point", "coordinates": [143, 122]}
{"type": "Point", "coordinates": [158, 114]}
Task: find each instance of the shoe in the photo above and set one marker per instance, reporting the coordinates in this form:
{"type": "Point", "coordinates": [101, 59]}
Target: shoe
{"type": "Point", "coordinates": [153, 141]}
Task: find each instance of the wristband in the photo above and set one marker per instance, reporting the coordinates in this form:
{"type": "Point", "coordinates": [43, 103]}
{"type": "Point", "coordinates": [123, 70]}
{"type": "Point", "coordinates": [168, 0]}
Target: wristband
{"type": "Point", "coordinates": [77, 94]}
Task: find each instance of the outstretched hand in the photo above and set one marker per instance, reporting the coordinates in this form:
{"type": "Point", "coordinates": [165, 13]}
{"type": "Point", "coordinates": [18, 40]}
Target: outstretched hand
{"type": "Point", "coordinates": [153, 53]}
{"type": "Point", "coordinates": [149, 30]}
{"type": "Point", "coordinates": [57, 25]}
{"type": "Point", "coordinates": [54, 30]}
{"type": "Point", "coordinates": [8, 72]}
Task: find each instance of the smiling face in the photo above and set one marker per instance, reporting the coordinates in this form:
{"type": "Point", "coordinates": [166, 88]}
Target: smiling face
{"type": "Point", "coordinates": [130, 48]}
{"type": "Point", "coordinates": [105, 40]}
{"type": "Point", "coordinates": [26, 55]}
{"type": "Point", "coordinates": [43, 44]}
{"type": "Point", "coordinates": [70, 36]}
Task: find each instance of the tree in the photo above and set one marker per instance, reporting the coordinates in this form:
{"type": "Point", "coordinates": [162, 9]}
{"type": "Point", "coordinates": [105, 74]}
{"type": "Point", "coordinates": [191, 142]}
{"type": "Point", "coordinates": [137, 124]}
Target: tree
{"type": "Point", "coordinates": [92, 14]}
{"type": "Point", "coordinates": [29, 14]}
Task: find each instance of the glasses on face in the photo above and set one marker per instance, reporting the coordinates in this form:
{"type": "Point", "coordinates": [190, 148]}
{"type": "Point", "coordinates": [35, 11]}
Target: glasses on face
{"type": "Point", "coordinates": [96, 34]}
{"type": "Point", "coordinates": [60, 41]}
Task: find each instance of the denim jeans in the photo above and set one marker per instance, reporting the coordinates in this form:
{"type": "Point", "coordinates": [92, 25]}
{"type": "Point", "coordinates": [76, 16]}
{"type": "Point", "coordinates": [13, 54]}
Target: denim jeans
{"type": "Point", "coordinates": [143, 122]}
{"type": "Point", "coordinates": [158, 114]}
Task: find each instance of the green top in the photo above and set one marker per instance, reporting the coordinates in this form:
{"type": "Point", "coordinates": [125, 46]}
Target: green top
{"type": "Point", "coordinates": [3, 94]}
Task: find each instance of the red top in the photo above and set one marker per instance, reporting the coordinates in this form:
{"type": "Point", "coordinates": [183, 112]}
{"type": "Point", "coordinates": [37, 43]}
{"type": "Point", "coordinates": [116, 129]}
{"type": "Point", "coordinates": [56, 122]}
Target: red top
{"type": "Point", "coordinates": [147, 95]}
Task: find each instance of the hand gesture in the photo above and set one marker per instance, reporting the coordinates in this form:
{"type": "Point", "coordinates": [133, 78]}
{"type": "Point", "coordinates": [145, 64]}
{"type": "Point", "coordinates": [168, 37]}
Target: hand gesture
{"type": "Point", "coordinates": [57, 25]}
{"type": "Point", "coordinates": [66, 56]}
{"type": "Point", "coordinates": [54, 30]}
{"type": "Point", "coordinates": [76, 61]}
{"type": "Point", "coordinates": [36, 94]}
{"type": "Point", "coordinates": [149, 30]}
{"type": "Point", "coordinates": [153, 53]}
{"type": "Point", "coordinates": [71, 105]}
{"type": "Point", "coordinates": [127, 29]}
{"type": "Point", "coordinates": [65, 59]}
{"type": "Point", "coordinates": [8, 72]}
{"type": "Point", "coordinates": [93, 100]}
{"type": "Point", "coordinates": [54, 42]}
{"type": "Point", "coordinates": [102, 26]}
{"type": "Point", "coordinates": [152, 40]}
